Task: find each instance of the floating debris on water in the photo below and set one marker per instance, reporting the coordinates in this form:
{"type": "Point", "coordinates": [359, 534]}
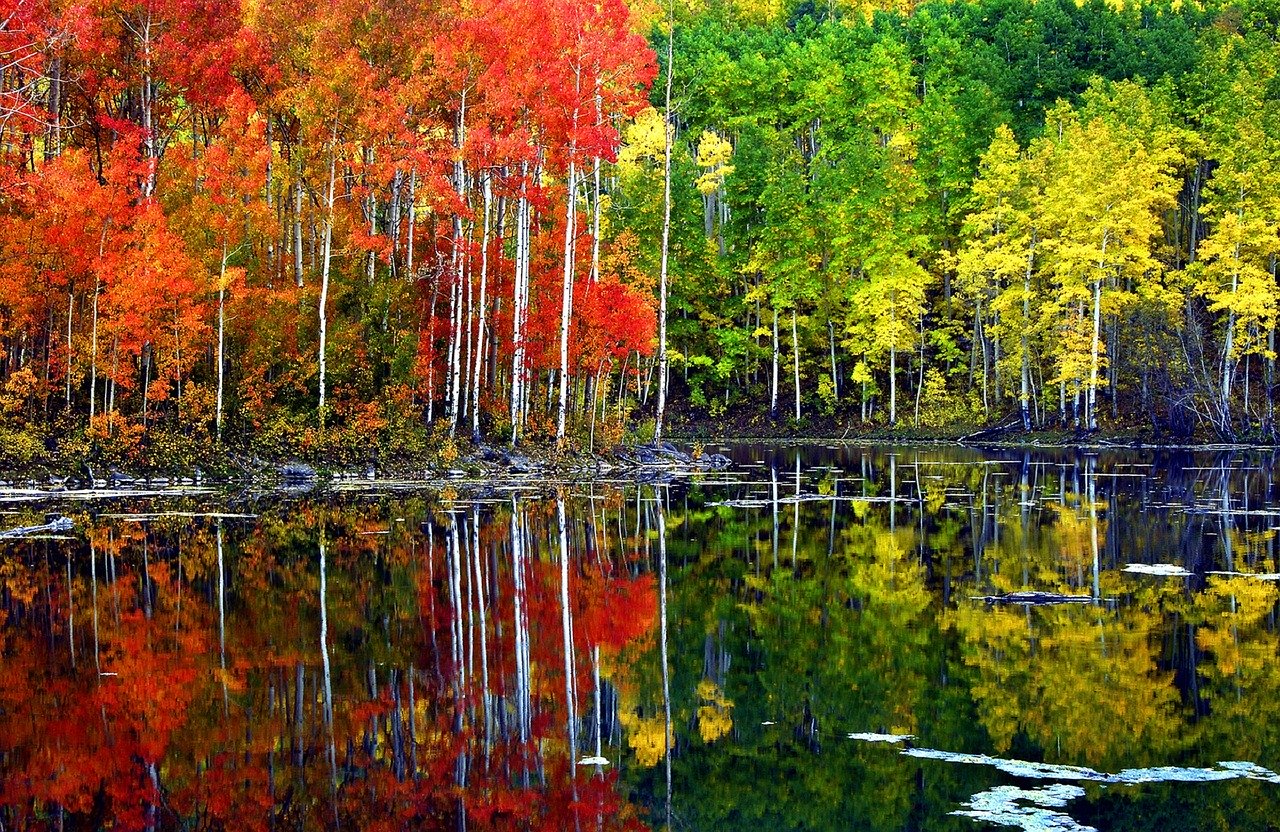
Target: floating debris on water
{"type": "Point", "coordinates": [1161, 570]}
{"type": "Point", "coordinates": [1175, 774]}
{"type": "Point", "coordinates": [1015, 768]}
{"type": "Point", "coordinates": [889, 738]}
{"type": "Point", "coordinates": [55, 524]}
{"type": "Point", "coordinates": [1257, 576]}
{"type": "Point", "coordinates": [1251, 771]}
{"type": "Point", "coordinates": [140, 517]}
{"type": "Point", "coordinates": [1034, 598]}
{"type": "Point", "coordinates": [1005, 806]}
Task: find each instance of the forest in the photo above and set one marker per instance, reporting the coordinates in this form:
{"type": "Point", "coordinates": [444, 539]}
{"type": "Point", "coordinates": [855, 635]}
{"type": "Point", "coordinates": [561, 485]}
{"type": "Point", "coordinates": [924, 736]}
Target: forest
{"type": "Point", "coordinates": [358, 229]}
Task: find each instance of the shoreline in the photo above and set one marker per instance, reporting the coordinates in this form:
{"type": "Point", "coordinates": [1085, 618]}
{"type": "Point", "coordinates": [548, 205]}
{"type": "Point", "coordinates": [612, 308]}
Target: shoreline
{"type": "Point", "coordinates": [482, 468]}
{"type": "Point", "coordinates": [970, 437]}
{"type": "Point", "coordinates": [1098, 444]}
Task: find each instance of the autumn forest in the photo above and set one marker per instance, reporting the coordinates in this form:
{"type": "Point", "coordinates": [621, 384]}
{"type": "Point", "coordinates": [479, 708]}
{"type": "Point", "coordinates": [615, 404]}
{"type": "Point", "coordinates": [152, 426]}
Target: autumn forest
{"type": "Point", "coordinates": [350, 229]}
{"type": "Point", "coordinates": [714, 654]}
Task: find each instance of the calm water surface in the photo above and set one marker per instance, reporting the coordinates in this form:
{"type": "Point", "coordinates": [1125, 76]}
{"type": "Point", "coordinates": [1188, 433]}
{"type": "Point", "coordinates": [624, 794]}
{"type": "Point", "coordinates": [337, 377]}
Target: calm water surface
{"type": "Point", "coordinates": [394, 658]}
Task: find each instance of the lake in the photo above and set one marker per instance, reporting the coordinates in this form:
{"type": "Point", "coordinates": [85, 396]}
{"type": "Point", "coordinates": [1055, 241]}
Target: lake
{"type": "Point", "coordinates": [839, 650]}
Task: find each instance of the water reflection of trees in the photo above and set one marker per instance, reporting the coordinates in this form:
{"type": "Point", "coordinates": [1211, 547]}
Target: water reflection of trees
{"type": "Point", "coordinates": [435, 663]}
{"type": "Point", "coordinates": [872, 626]}
{"type": "Point", "coordinates": [372, 665]}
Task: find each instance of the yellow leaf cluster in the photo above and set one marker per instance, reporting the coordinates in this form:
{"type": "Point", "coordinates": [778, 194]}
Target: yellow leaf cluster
{"type": "Point", "coordinates": [715, 715]}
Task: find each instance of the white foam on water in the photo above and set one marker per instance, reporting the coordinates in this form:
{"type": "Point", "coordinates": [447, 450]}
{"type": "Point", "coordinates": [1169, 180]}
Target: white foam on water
{"type": "Point", "coordinates": [889, 738]}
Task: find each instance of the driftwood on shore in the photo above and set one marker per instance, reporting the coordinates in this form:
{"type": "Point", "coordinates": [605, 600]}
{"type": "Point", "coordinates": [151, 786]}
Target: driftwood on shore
{"type": "Point", "coordinates": [1008, 424]}
{"type": "Point", "coordinates": [55, 524]}
{"type": "Point", "coordinates": [637, 459]}
{"type": "Point", "coordinates": [668, 456]}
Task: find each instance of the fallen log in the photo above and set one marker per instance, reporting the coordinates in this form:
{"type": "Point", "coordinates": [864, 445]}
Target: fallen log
{"type": "Point", "coordinates": [1010, 423]}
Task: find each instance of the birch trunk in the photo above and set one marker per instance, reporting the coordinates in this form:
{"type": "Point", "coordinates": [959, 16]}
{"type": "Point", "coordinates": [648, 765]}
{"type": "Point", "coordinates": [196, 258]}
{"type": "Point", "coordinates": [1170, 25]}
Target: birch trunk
{"type": "Point", "coordinates": [413, 220]}
{"type": "Point", "coordinates": [1228, 347]}
{"type": "Point", "coordinates": [71, 299]}
{"type": "Point", "coordinates": [93, 361]}
{"type": "Point", "coordinates": [835, 377]}
{"type": "Point", "coordinates": [521, 306]}
{"type": "Point", "coordinates": [566, 296]}
{"type": "Point", "coordinates": [297, 233]}
{"type": "Point", "coordinates": [1024, 394]}
{"type": "Point", "coordinates": [595, 196]}
{"type": "Point", "coordinates": [1092, 399]}
{"type": "Point", "coordinates": [893, 384]}
{"type": "Point", "coordinates": [480, 330]}
{"type": "Point", "coordinates": [773, 387]}
{"type": "Point", "coordinates": [460, 185]}
{"type": "Point", "coordinates": [222, 360]}
{"type": "Point", "coordinates": [795, 355]}
{"type": "Point", "coordinates": [668, 129]}
{"type": "Point", "coordinates": [325, 266]}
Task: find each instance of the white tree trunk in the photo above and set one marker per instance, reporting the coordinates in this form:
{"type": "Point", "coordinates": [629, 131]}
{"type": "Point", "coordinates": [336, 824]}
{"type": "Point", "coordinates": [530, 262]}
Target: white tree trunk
{"type": "Point", "coordinates": [668, 129]}
{"type": "Point", "coordinates": [413, 220]}
{"type": "Point", "coordinates": [297, 232]}
{"type": "Point", "coordinates": [520, 305]}
{"type": "Point", "coordinates": [566, 296]}
{"type": "Point", "coordinates": [222, 357]}
{"type": "Point", "coordinates": [1091, 400]}
{"type": "Point", "coordinates": [93, 362]}
{"type": "Point", "coordinates": [1024, 393]}
{"type": "Point", "coordinates": [71, 299]}
{"type": "Point", "coordinates": [325, 265]}
{"type": "Point", "coordinates": [480, 331]}
{"type": "Point", "coordinates": [773, 387]}
{"type": "Point", "coordinates": [795, 355]}
{"type": "Point", "coordinates": [455, 294]}
{"type": "Point", "coordinates": [893, 384]}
